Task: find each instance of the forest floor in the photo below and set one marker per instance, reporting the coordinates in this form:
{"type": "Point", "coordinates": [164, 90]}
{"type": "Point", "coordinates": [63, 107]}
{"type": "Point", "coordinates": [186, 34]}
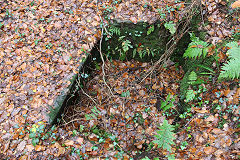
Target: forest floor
{"type": "Point", "coordinates": [124, 124]}
{"type": "Point", "coordinates": [41, 44]}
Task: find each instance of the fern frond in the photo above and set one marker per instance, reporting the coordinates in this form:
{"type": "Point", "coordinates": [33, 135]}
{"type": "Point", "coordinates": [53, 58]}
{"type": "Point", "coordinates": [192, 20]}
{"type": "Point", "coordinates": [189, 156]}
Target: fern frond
{"type": "Point", "coordinates": [232, 44]}
{"type": "Point", "coordinates": [234, 53]}
{"type": "Point", "coordinates": [192, 76]}
{"type": "Point", "coordinates": [196, 49]}
{"type": "Point", "coordinates": [115, 30]}
{"type": "Point", "coordinates": [165, 136]}
{"type": "Point", "coordinates": [231, 69]}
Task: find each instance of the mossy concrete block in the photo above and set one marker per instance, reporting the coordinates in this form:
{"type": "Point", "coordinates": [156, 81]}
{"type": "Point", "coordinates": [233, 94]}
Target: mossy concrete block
{"type": "Point", "coordinates": [61, 101]}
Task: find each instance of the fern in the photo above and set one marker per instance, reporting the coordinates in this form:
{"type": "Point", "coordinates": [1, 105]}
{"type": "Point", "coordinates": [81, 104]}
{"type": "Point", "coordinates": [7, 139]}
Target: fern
{"type": "Point", "coordinates": [190, 95]}
{"type": "Point", "coordinates": [192, 76]}
{"type": "Point", "coordinates": [115, 30]}
{"type": "Point", "coordinates": [126, 45]}
{"type": "Point", "coordinates": [196, 48]}
{"type": "Point", "coordinates": [231, 69]}
{"type": "Point", "coordinates": [165, 136]}
{"type": "Point", "coordinates": [165, 105]}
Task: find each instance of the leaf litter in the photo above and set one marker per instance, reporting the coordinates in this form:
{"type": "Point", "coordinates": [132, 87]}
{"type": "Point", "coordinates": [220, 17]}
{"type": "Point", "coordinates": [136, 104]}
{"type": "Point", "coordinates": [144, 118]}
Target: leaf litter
{"type": "Point", "coordinates": [40, 47]}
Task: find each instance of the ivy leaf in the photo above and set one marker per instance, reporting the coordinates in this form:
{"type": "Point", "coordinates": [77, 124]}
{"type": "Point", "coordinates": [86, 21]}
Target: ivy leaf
{"type": "Point", "coordinates": [190, 95]}
{"type": "Point", "coordinates": [171, 27]}
{"type": "Point", "coordinates": [150, 29]}
{"type": "Point", "coordinates": [35, 141]}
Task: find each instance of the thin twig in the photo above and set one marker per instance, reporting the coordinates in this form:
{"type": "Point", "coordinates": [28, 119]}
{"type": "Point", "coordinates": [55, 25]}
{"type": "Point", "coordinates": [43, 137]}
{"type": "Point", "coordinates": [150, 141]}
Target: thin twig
{"type": "Point", "coordinates": [174, 40]}
{"type": "Point", "coordinates": [103, 70]}
{"type": "Point", "coordinates": [86, 93]}
{"type": "Point", "coordinates": [78, 119]}
{"type": "Point", "coordinates": [89, 97]}
{"type": "Point", "coordinates": [100, 51]}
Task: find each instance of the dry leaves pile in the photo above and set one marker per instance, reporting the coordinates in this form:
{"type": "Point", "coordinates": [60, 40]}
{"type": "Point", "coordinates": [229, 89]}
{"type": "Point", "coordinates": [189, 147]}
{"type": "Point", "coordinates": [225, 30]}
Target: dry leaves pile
{"type": "Point", "coordinates": [221, 18]}
{"type": "Point", "coordinates": [134, 113]}
{"type": "Point", "coordinates": [41, 45]}
{"type": "Point", "coordinates": [133, 118]}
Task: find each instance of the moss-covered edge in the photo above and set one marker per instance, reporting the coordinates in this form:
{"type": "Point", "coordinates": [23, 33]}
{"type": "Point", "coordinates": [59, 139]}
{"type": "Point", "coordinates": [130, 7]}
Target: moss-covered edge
{"type": "Point", "coordinates": [61, 101]}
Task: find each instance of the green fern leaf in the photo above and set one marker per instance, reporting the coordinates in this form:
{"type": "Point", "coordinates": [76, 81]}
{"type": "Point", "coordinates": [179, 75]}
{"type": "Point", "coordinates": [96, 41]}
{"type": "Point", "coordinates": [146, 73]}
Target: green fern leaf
{"type": "Point", "coordinates": [196, 49]}
{"type": "Point", "coordinates": [192, 76]}
{"type": "Point", "coordinates": [165, 136]}
{"type": "Point", "coordinates": [115, 30]}
{"type": "Point", "coordinates": [232, 44]}
{"type": "Point", "coordinates": [231, 69]}
{"type": "Point", "coordinates": [234, 53]}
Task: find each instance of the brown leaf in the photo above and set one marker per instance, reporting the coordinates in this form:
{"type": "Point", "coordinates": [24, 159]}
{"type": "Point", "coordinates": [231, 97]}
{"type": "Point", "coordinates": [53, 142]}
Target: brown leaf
{"type": "Point", "coordinates": [139, 144]}
{"type": "Point", "coordinates": [21, 146]}
{"type": "Point", "coordinates": [199, 139]}
{"type": "Point", "coordinates": [5, 146]}
{"type": "Point", "coordinates": [93, 137]}
{"type": "Point", "coordinates": [23, 157]}
{"type": "Point", "coordinates": [210, 118]}
{"type": "Point", "coordinates": [133, 19]}
{"type": "Point", "coordinates": [236, 4]}
{"type": "Point", "coordinates": [217, 131]}
{"type": "Point", "coordinates": [209, 150]}
{"type": "Point", "coordinates": [125, 75]}
{"type": "Point", "coordinates": [149, 131]}
{"type": "Point", "coordinates": [153, 101]}
{"type": "Point", "coordinates": [219, 152]}
{"type": "Point", "coordinates": [39, 148]}
{"type": "Point", "coordinates": [198, 110]}
{"type": "Point", "coordinates": [142, 93]}
{"type": "Point", "coordinates": [79, 140]}
{"type": "Point", "coordinates": [29, 147]}
{"type": "Point", "coordinates": [69, 142]}
{"type": "Point", "coordinates": [61, 150]}
{"type": "Point", "coordinates": [228, 142]}
{"type": "Point", "coordinates": [155, 86]}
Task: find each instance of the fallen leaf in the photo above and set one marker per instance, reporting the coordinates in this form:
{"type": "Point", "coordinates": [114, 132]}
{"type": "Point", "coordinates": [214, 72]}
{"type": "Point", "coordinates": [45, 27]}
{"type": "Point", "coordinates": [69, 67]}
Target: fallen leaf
{"type": "Point", "coordinates": [79, 140]}
{"type": "Point", "coordinates": [236, 4]}
{"type": "Point", "coordinates": [142, 93]}
{"type": "Point", "coordinates": [30, 147]}
{"type": "Point", "coordinates": [155, 86]}
{"type": "Point", "coordinates": [228, 142]}
{"type": "Point", "coordinates": [23, 157]}
{"type": "Point", "coordinates": [210, 118]}
{"type": "Point", "coordinates": [199, 110]}
{"type": "Point", "coordinates": [61, 150]}
{"type": "Point", "coordinates": [39, 148]}
{"type": "Point", "coordinates": [133, 19]}
{"type": "Point", "coordinates": [21, 146]}
{"type": "Point", "coordinates": [69, 142]}
{"type": "Point", "coordinates": [209, 150]}
{"type": "Point", "coordinates": [216, 131]}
